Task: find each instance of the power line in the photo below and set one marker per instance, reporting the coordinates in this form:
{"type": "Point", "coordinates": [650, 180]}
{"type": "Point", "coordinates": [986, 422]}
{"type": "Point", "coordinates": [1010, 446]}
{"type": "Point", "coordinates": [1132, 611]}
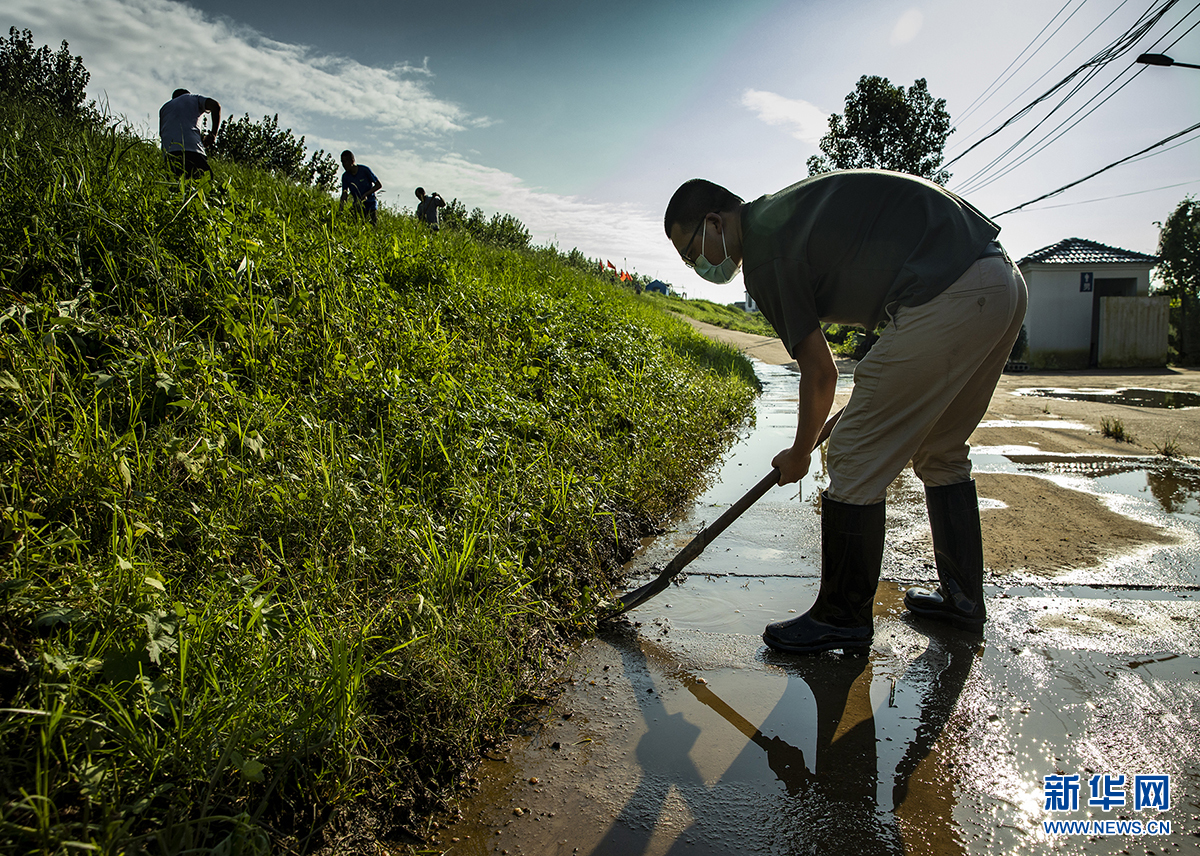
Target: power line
{"type": "Point", "coordinates": [1102, 58]}
{"type": "Point", "coordinates": [984, 95]}
{"type": "Point", "coordinates": [1163, 152]}
{"type": "Point", "coordinates": [1119, 195]}
{"type": "Point", "coordinates": [978, 180]}
{"type": "Point", "coordinates": [975, 182]}
{"type": "Point", "coordinates": [1063, 126]}
{"type": "Point", "coordinates": [1061, 60]}
{"type": "Point", "coordinates": [1162, 142]}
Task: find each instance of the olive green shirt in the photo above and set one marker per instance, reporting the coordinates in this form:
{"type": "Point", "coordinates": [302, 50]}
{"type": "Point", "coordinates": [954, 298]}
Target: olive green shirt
{"type": "Point", "coordinates": [849, 247]}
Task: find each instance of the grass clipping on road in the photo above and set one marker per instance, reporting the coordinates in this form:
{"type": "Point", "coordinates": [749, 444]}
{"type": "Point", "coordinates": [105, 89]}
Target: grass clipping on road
{"type": "Point", "coordinates": [294, 508]}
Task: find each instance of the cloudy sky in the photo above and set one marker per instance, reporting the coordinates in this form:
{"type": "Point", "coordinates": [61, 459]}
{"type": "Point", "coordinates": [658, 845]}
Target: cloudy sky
{"type": "Point", "coordinates": [582, 119]}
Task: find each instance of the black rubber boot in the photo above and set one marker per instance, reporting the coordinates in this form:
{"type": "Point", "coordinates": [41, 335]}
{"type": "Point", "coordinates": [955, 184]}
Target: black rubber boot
{"type": "Point", "coordinates": [851, 555]}
{"type": "Point", "coordinates": [958, 551]}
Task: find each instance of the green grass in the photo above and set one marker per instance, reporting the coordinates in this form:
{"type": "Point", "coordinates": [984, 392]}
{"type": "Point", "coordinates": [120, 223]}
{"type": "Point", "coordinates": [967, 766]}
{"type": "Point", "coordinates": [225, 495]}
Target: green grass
{"type": "Point", "coordinates": [293, 511]}
{"type": "Point", "coordinates": [727, 316]}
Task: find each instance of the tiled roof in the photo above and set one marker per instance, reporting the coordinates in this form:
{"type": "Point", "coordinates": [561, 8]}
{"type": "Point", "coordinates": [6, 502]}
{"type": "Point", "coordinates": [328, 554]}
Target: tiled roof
{"type": "Point", "coordinates": [1076, 251]}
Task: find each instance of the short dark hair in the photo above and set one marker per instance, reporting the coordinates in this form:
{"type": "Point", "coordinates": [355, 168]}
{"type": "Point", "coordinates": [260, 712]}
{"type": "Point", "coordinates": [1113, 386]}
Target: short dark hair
{"type": "Point", "coordinates": [348, 152]}
{"type": "Point", "coordinates": [179, 92]}
{"type": "Point", "coordinates": [419, 192]}
{"type": "Point", "coordinates": [694, 200]}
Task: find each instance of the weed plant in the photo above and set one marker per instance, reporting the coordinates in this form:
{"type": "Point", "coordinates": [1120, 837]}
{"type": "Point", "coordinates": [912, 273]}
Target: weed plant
{"type": "Point", "coordinates": [1114, 428]}
{"type": "Point", "coordinates": [1170, 448]}
{"type": "Point", "coordinates": [294, 509]}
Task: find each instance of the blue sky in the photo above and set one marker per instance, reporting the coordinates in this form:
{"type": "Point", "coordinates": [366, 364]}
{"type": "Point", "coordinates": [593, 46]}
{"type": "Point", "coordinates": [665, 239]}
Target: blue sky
{"type": "Point", "coordinates": [581, 119]}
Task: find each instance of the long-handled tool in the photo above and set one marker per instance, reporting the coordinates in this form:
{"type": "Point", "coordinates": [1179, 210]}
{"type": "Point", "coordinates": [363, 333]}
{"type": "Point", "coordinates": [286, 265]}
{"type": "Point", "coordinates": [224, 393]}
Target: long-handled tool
{"type": "Point", "coordinates": [705, 537]}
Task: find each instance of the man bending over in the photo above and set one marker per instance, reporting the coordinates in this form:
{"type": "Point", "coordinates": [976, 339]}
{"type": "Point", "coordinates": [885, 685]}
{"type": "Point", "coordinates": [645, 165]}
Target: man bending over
{"type": "Point", "coordinates": [857, 247]}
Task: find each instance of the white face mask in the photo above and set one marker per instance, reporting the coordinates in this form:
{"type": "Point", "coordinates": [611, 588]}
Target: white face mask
{"type": "Point", "coordinates": [719, 273]}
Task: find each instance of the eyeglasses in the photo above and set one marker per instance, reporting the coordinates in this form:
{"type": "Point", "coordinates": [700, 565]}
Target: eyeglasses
{"type": "Point", "coordinates": [683, 255]}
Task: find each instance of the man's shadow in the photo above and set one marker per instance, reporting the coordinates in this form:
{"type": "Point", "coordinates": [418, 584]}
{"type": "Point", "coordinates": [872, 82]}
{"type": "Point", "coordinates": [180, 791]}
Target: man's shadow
{"type": "Point", "coordinates": [663, 755]}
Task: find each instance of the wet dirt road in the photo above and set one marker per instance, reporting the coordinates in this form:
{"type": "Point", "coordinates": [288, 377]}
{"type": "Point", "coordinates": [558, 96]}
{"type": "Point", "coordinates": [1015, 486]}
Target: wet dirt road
{"type": "Point", "coordinates": [679, 732]}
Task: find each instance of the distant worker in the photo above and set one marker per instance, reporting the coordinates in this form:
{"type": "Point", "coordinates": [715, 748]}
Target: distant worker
{"type": "Point", "coordinates": [359, 183]}
{"type": "Point", "coordinates": [858, 247]}
{"type": "Point", "coordinates": [179, 129]}
{"type": "Point", "coordinates": [427, 208]}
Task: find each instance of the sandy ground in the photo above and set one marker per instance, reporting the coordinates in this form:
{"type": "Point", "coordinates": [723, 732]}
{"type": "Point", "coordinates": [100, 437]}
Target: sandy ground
{"type": "Point", "coordinates": [1044, 525]}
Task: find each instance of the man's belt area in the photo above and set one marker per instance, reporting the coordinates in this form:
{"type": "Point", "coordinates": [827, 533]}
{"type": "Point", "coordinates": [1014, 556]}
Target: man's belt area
{"type": "Point", "coordinates": [992, 249]}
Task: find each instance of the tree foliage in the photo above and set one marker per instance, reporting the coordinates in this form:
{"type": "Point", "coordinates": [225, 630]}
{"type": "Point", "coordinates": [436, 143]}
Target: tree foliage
{"type": "Point", "coordinates": [1179, 251]}
{"type": "Point", "coordinates": [265, 144]}
{"type": "Point", "coordinates": [886, 127]}
{"type": "Point", "coordinates": [32, 76]}
{"type": "Point", "coordinates": [502, 230]}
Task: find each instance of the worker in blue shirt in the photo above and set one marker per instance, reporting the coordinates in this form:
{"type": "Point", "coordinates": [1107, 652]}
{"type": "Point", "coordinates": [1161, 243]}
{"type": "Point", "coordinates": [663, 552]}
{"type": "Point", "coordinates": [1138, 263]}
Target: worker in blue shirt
{"type": "Point", "coordinates": [359, 183]}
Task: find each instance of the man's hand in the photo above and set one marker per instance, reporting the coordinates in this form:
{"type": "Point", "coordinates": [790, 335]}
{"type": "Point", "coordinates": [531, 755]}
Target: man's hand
{"type": "Point", "coordinates": [793, 465]}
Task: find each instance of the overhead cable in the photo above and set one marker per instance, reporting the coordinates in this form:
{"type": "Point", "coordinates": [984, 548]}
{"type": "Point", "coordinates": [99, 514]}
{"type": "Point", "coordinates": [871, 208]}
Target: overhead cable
{"type": "Point", "coordinates": [1061, 60]}
{"type": "Point", "coordinates": [1123, 195]}
{"type": "Point", "coordinates": [1162, 142]}
{"type": "Point", "coordinates": [1127, 40]}
{"type": "Point", "coordinates": [998, 83]}
{"type": "Point", "coordinates": [976, 181]}
{"type": "Point", "coordinates": [979, 180]}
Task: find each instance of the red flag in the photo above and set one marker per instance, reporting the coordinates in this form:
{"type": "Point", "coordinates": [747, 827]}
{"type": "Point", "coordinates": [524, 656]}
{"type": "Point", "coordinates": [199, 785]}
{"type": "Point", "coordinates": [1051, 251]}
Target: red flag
{"type": "Point", "coordinates": [611, 265]}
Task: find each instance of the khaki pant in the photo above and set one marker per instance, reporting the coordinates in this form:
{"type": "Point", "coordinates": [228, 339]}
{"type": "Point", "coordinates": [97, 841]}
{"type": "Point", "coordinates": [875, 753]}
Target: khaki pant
{"type": "Point", "coordinates": [925, 385]}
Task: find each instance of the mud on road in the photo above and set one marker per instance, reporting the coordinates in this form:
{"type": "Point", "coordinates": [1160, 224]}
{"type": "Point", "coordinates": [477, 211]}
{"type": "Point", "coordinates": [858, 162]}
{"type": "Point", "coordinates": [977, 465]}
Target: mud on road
{"type": "Point", "coordinates": [678, 731]}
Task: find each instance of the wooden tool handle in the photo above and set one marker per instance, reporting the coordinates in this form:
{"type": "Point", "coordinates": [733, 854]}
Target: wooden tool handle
{"type": "Point", "coordinates": [696, 546]}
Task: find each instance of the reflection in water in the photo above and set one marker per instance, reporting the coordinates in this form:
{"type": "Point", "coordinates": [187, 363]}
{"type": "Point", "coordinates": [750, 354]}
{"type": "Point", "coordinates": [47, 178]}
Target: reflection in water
{"type": "Point", "coordinates": [1163, 398]}
{"type": "Point", "coordinates": [1177, 491]}
{"type": "Point", "coordinates": [918, 791]}
{"type": "Point", "coordinates": [829, 802]}
{"type": "Point", "coordinates": [833, 805]}
{"type": "Point", "coordinates": [1174, 484]}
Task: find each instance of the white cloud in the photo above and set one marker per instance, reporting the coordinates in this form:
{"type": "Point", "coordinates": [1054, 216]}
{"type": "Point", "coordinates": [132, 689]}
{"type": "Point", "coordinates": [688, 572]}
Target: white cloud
{"type": "Point", "coordinates": [138, 51]}
{"type": "Point", "coordinates": [907, 28]}
{"type": "Point", "coordinates": [622, 233]}
{"type": "Point", "coordinates": [805, 122]}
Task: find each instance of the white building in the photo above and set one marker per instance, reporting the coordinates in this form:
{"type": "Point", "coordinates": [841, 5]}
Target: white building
{"type": "Point", "coordinates": [1089, 307]}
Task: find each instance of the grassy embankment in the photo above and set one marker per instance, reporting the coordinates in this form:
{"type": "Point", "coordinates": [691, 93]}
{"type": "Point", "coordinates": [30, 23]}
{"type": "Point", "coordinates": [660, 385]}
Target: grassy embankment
{"type": "Point", "coordinates": [294, 509]}
{"type": "Point", "coordinates": [727, 316]}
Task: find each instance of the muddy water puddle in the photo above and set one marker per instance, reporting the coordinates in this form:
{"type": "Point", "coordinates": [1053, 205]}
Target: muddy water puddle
{"type": "Point", "coordinates": [1166, 485]}
{"type": "Point", "coordinates": [1160, 398]}
{"type": "Point", "coordinates": [705, 743]}
{"type": "Point", "coordinates": [1162, 495]}
{"type": "Point", "coordinates": [678, 731]}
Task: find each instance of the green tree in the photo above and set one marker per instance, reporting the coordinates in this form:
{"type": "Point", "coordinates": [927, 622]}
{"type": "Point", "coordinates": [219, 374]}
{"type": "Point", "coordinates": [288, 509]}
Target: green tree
{"type": "Point", "coordinates": [1179, 251]}
{"type": "Point", "coordinates": [265, 144]}
{"type": "Point", "coordinates": [30, 76]}
{"type": "Point", "coordinates": [886, 127]}
{"type": "Point", "coordinates": [502, 230]}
